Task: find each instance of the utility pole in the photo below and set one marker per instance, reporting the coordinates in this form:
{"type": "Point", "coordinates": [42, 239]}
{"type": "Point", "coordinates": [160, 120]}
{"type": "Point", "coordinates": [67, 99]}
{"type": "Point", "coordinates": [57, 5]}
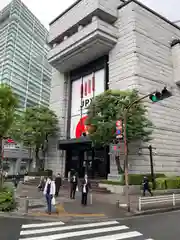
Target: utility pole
{"type": "Point", "coordinates": [152, 166]}
{"type": "Point", "coordinates": [126, 147]}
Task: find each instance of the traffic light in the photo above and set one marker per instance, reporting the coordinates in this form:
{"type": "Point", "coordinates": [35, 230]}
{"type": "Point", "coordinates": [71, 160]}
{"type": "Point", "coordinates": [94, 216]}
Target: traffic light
{"type": "Point", "coordinates": [160, 95]}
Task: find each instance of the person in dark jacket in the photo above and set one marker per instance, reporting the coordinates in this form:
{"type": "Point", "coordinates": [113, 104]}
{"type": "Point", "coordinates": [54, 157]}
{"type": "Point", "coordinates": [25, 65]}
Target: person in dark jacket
{"type": "Point", "coordinates": [73, 185]}
{"type": "Point", "coordinates": [58, 183]}
{"type": "Point", "coordinates": [146, 186]}
{"type": "Point", "coordinates": [85, 187]}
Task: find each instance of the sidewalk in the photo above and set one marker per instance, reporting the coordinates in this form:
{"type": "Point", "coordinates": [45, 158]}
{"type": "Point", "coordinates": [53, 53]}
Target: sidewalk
{"type": "Point", "coordinates": [65, 206]}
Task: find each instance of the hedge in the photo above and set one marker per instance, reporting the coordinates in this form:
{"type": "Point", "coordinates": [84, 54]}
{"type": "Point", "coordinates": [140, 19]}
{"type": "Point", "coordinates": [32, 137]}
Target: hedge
{"type": "Point", "coordinates": [45, 173]}
{"type": "Point", "coordinates": [168, 183]}
{"type": "Point", "coordinates": [134, 179]}
{"type": "Point", "coordinates": [7, 200]}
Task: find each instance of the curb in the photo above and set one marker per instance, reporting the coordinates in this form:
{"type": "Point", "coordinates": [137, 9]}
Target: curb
{"type": "Point", "coordinates": [155, 211]}
{"type": "Point", "coordinates": [27, 216]}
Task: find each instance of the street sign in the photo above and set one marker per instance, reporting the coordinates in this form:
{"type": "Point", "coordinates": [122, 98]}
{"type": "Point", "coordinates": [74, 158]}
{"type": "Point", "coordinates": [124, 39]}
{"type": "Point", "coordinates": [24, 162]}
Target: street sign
{"type": "Point", "coordinates": [115, 148]}
{"type": "Point", "coordinates": [119, 130]}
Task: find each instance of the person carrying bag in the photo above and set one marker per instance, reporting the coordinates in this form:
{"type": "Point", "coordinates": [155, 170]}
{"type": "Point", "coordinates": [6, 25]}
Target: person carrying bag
{"type": "Point", "coordinates": [49, 192]}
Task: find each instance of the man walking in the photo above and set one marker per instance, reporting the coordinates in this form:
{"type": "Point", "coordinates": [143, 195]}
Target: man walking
{"type": "Point", "coordinates": [58, 183]}
{"type": "Point", "coordinates": [146, 186]}
{"type": "Point", "coordinates": [85, 189]}
{"type": "Point", "coordinates": [73, 185]}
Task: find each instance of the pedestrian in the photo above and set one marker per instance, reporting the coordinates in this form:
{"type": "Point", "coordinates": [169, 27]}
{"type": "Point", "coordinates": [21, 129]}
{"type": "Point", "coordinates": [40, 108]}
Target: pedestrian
{"type": "Point", "coordinates": [146, 186]}
{"type": "Point", "coordinates": [16, 180]}
{"type": "Point", "coordinates": [58, 183]}
{"type": "Point", "coordinates": [49, 192]}
{"type": "Point", "coordinates": [85, 188]}
{"type": "Point", "coordinates": [73, 185]}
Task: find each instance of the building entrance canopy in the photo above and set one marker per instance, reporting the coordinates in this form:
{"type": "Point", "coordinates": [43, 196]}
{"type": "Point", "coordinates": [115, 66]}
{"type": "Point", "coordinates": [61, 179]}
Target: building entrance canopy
{"type": "Point", "coordinates": [78, 144]}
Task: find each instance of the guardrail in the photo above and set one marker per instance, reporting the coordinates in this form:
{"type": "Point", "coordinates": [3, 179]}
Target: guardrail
{"type": "Point", "coordinates": [171, 199]}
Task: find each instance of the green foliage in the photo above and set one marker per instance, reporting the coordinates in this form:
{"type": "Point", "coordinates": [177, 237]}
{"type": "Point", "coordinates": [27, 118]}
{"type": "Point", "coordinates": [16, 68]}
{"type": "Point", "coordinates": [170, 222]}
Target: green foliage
{"type": "Point", "coordinates": [8, 105]}
{"type": "Point", "coordinates": [7, 201]}
{"type": "Point", "coordinates": [168, 183]}
{"type": "Point", "coordinates": [45, 173]}
{"type": "Point", "coordinates": [35, 125]}
{"type": "Point", "coordinates": [108, 107]}
{"type": "Point", "coordinates": [135, 179]}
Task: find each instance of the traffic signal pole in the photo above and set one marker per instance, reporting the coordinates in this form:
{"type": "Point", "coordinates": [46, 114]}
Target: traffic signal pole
{"type": "Point", "coordinates": [126, 147]}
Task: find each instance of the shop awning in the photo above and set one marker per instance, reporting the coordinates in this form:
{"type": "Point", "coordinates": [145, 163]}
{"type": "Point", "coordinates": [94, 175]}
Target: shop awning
{"type": "Point", "coordinates": [80, 143]}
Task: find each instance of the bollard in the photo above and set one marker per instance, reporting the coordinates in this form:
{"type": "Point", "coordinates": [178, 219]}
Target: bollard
{"type": "Point", "coordinates": [117, 204]}
{"type": "Point", "coordinates": [90, 195]}
{"type": "Point", "coordinates": [26, 205]}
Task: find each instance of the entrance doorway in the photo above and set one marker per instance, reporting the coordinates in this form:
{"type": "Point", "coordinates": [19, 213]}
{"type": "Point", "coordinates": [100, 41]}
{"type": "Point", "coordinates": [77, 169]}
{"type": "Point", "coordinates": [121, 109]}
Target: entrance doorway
{"type": "Point", "coordinates": [83, 158]}
{"type": "Point", "coordinates": [93, 162]}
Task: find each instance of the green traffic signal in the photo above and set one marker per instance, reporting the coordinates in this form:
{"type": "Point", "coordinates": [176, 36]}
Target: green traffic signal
{"type": "Point", "coordinates": [153, 98]}
{"type": "Point", "coordinates": [160, 95]}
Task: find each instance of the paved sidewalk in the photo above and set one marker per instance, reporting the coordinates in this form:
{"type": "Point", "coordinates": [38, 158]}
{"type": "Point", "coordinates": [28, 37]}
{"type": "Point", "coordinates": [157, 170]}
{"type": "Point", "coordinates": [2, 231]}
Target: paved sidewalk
{"type": "Point", "coordinates": [66, 206]}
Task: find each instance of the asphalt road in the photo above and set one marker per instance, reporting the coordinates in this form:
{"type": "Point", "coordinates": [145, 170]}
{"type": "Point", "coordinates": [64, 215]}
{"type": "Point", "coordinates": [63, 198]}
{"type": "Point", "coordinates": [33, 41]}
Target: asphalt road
{"type": "Point", "coordinates": [10, 227]}
{"type": "Point", "coordinates": [154, 227]}
{"type": "Point", "coordinates": [158, 226]}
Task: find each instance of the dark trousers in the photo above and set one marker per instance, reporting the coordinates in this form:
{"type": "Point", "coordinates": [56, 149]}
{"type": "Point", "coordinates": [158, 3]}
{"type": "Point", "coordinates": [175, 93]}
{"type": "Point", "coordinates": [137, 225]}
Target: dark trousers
{"type": "Point", "coordinates": [49, 200]}
{"type": "Point", "coordinates": [145, 190]}
{"type": "Point", "coordinates": [84, 199]}
{"type": "Point", "coordinates": [73, 191]}
{"type": "Point", "coordinates": [57, 191]}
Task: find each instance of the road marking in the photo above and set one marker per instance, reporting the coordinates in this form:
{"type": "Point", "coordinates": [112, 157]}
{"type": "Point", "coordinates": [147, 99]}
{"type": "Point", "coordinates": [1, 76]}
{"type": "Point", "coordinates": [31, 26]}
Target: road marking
{"type": "Point", "coordinates": [117, 236]}
{"type": "Point", "coordinates": [77, 234]}
{"type": "Point", "coordinates": [42, 225]}
{"type": "Point", "coordinates": [47, 230]}
{"type": "Point", "coordinates": [64, 214]}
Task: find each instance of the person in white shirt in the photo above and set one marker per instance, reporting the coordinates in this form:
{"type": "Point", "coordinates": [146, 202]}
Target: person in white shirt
{"type": "Point", "coordinates": [49, 192]}
{"type": "Point", "coordinates": [86, 186]}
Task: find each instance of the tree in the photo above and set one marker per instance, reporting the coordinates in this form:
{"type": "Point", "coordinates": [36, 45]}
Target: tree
{"type": "Point", "coordinates": [107, 108]}
{"type": "Point", "coordinates": [8, 105]}
{"type": "Point", "coordinates": [34, 127]}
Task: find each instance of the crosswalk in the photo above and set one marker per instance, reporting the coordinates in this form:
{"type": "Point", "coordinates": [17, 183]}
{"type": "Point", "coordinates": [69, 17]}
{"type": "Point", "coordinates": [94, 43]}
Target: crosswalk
{"type": "Point", "coordinates": [108, 230]}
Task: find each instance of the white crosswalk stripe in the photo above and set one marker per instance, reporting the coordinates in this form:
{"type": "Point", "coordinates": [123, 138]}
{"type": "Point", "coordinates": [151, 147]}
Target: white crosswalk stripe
{"type": "Point", "coordinates": [109, 230]}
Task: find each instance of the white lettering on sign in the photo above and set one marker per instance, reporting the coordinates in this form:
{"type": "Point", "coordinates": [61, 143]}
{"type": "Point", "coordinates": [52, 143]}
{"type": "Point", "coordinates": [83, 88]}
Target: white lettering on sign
{"type": "Point", "coordinates": [83, 91]}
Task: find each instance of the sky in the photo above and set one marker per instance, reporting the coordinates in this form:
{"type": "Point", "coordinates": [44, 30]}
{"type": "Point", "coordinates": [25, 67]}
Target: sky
{"type": "Point", "coordinates": [47, 10]}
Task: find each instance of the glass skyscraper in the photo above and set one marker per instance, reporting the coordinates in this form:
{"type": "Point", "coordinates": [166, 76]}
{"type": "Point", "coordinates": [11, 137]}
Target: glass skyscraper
{"type": "Point", "coordinates": [23, 50]}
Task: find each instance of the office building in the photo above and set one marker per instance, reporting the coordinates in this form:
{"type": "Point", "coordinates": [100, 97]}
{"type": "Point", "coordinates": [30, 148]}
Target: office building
{"type": "Point", "coordinates": [23, 55]}
{"type": "Point", "coordinates": [24, 66]}
{"type": "Point", "coordinates": [123, 45]}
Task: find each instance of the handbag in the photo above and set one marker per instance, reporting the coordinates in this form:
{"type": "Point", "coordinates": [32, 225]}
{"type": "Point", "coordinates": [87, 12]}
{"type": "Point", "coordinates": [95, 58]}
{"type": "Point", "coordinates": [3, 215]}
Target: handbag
{"type": "Point", "coordinates": [53, 202]}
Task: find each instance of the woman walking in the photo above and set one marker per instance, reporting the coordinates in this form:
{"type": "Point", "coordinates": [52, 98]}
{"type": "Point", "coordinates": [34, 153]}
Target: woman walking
{"type": "Point", "coordinates": [49, 192]}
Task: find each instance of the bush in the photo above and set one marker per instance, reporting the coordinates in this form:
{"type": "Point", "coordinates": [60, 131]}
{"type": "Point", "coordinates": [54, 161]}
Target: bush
{"type": "Point", "coordinates": [168, 183]}
{"type": "Point", "coordinates": [7, 200]}
{"type": "Point", "coordinates": [45, 173]}
{"type": "Point", "coordinates": [112, 182]}
{"type": "Point", "coordinates": [134, 179]}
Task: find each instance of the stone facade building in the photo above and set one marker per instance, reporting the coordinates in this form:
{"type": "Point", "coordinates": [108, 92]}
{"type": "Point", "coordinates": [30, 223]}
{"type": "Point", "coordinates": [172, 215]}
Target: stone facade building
{"type": "Point", "coordinates": [133, 46]}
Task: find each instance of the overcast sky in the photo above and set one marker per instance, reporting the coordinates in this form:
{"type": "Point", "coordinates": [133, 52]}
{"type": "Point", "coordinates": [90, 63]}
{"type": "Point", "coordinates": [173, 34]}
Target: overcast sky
{"type": "Point", "coordinates": [47, 10]}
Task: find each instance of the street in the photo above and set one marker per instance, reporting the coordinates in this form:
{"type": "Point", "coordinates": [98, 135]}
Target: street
{"type": "Point", "coordinates": [154, 227]}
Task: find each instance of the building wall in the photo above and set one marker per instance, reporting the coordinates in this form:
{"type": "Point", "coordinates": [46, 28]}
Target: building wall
{"type": "Point", "coordinates": [142, 60]}
{"type": "Point", "coordinates": [155, 70]}
{"type": "Point", "coordinates": [59, 104]}
{"type": "Point", "coordinates": [23, 56]}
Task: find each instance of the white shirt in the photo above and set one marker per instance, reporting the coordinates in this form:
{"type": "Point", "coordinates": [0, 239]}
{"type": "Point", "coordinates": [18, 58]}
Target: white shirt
{"type": "Point", "coordinates": [52, 187]}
